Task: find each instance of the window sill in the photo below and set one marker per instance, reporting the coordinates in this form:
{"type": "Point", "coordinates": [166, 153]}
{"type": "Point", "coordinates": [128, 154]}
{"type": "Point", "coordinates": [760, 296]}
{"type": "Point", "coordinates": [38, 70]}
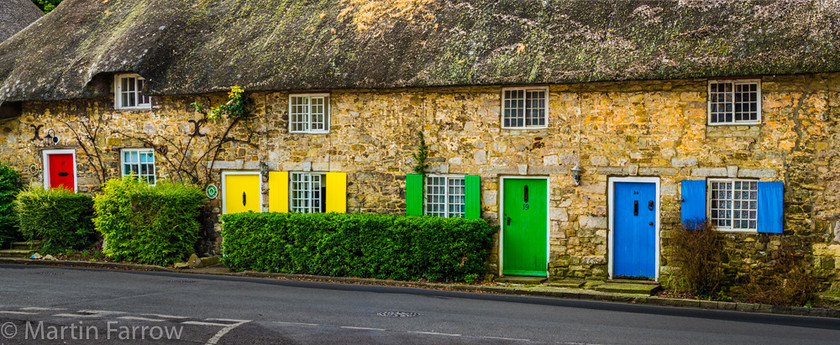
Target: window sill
{"type": "Point", "coordinates": [525, 128]}
{"type": "Point", "coordinates": [310, 132]}
{"type": "Point", "coordinates": [734, 124]}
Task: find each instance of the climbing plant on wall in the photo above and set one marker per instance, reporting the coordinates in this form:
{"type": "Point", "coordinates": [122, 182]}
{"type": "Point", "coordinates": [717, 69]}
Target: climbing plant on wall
{"type": "Point", "coordinates": [186, 159]}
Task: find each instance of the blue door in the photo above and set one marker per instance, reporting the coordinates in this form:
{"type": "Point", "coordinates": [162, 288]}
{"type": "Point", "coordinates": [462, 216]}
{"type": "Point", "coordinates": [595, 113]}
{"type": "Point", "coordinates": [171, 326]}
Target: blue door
{"type": "Point", "coordinates": [634, 240]}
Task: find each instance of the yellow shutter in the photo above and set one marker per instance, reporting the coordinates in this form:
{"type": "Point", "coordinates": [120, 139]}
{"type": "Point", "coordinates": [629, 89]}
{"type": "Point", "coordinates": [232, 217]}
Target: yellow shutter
{"type": "Point", "coordinates": [278, 191]}
{"type": "Point", "coordinates": [337, 192]}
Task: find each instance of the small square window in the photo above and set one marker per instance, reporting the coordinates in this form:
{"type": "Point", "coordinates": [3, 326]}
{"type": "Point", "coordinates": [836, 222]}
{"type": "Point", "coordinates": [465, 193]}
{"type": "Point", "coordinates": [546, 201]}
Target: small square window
{"type": "Point", "coordinates": [735, 102]}
{"type": "Point", "coordinates": [733, 204]}
{"type": "Point", "coordinates": [309, 113]}
{"type": "Point", "coordinates": [308, 192]}
{"type": "Point", "coordinates": [525, 108]}
{"type": "Point", "coordinates": [139, 163]}
{"type": "Point", "coordinates": [445, 196]}
{"type": "Point", "coordinates": [128, 92]}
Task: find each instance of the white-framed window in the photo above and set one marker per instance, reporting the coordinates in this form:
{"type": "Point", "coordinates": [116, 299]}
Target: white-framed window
{"type": "Point", "coordinates": [309, 113]}
{"type": "Point", "coordinates": [525, 108]}
{"type": "Point", "coordinates": [140, 163]}
{"type": "Point", "coordinates": [733, 204]}
{"type": "Point", "coordinates": [445, 196]}
{"type": "Point", "coordinates": [127, 92]}
{"type": "Point", "coordinates": [308, 192]}
{"type": "Point", "coordinates": [734, 102]}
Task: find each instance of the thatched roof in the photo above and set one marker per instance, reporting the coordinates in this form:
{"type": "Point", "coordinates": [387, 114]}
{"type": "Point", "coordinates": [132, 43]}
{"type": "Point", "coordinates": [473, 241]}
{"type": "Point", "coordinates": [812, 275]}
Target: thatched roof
{"type": "Point", "coordinates": [16, 15]}
{"type": "Point", "coordinates": [192, 46]}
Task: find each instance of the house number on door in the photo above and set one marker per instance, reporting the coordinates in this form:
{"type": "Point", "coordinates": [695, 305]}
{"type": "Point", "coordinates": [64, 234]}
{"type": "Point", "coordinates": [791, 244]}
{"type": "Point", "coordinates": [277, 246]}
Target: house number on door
{"type": "Point", "coordinates": [525, 206]}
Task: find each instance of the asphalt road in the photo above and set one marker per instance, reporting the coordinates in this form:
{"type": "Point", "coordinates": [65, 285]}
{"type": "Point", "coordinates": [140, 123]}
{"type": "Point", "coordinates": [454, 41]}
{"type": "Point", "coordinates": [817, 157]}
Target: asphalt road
{"type": "Point", "coordinates": [47, 305]}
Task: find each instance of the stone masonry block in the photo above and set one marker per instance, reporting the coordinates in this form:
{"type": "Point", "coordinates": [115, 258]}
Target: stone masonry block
{"type": "Point", "coordinates": [757, 173]}
{"type": "Point", "coordinates": [703, 172]}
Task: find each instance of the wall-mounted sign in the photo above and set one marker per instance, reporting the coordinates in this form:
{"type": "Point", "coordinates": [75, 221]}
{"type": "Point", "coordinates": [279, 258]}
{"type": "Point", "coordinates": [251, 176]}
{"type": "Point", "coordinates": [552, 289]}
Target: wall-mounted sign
{"type": "Point", "coordinates": [212, 191]}
{"type": "Point", "coordinates": [34, 169]}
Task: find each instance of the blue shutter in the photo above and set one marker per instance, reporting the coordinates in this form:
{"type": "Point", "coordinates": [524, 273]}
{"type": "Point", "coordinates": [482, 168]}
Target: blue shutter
{"type": "Point", "coordinates": [770, 207]}
{"type": "Point", "coordinates": [693, 208]}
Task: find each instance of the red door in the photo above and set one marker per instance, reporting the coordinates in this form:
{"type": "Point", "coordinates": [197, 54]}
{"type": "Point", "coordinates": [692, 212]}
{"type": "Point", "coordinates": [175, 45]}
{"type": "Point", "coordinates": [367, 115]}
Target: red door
{"type": "Point", "coordinates": [61, 170]}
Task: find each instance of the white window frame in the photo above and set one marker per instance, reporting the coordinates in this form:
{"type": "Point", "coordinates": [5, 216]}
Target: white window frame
{"type": "Point", "coordinates": [136, 93]}
{"type": "Point", "coordinates": [446, 204]}
{"type": "Point", "coordinates": [140, 176]}
{"type": "Point", "coordinates": [293, 190]}
{"type": "Point", "coordinates": [525, 90]}
{"type": "Point", "coordinates": [734, 82]}
{"type": "Point", "coordinates": [732, 209]}
{"type": "Point", "coordinates": [308, 122]}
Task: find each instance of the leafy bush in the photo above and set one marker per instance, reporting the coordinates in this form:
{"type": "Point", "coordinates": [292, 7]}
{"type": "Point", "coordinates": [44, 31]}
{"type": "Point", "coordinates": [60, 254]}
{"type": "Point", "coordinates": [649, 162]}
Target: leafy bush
{"type": "Point", "coordinates": [788, 282]}
{"type": "Point", "coordinates": [61, 218]}
{"type": "Point", "coordinates": [9, 187]}
{"type": "Point", "coordinates": [149, 224]}
{"type": "Point", "coordinates": [698, 252]}
{"type": "Point", "coordinates": [361, 245]}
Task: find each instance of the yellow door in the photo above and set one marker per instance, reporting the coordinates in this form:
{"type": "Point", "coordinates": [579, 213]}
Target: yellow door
{"type": "Point", "coordinates": [242, 193]}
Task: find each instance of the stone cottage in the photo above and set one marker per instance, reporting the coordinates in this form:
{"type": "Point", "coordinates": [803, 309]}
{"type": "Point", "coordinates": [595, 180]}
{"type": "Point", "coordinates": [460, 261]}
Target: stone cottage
{"type": "Point", "coordinates": [586, 130]}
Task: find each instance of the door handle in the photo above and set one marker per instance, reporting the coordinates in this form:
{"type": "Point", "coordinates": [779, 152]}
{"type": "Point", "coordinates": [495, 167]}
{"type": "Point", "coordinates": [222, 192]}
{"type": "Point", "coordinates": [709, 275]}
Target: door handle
{"type": "Point", "coordinates": [651, 223]}
{"type": "Point", "coordinates": [244, 200]}
{"type": "Point", "coordinates": [507, 220]}
{"type": "Point", "coordinates": [635, 207]}
{"type": "Point", "coordinates": [650, 205]}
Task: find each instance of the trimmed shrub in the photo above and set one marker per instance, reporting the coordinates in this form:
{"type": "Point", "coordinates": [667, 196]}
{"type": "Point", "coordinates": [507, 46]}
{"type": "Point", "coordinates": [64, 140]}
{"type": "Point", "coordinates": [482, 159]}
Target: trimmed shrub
{"type": "Point", "coordinates": [148, 224]}
{"type": "Point", "coordinates": [60, 218]}
{"type": "Point", "coordinates": [359, 245]}
{"type": "Point", "coordinates": [10, 186]}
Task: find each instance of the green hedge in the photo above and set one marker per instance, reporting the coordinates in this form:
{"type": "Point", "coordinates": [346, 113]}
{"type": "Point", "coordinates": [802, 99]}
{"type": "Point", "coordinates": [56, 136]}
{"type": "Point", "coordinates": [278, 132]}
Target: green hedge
{"type": "Point", "coordinates": [359, 245]}
{"type": "Point", "coordinates": [149, 224]}
{"type": "Point", "coordinates": [61, 218]}
{"type": "Point", "coordinates": [10, 186]}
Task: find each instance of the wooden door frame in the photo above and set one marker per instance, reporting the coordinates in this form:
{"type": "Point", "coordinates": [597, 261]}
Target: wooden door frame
{"type": "Point", "coordinates": [502, 180]}
{"type": "Point", "coordinates": [45, 156]}
{"type": "Point", "coordinates": [611, 213]}
{"type": "Point", "coordinates": [240, 172]}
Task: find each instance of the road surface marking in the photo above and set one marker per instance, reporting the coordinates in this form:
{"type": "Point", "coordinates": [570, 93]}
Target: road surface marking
{"type": "Point", "coordinates": [435, 333]}
{"type": "Point", "coordinates": [87, 311]}
{"type": "Point", "coordinates": [17, 312]}
{"type": "Point", "coordinates": [221, 333]}
{"type": "Point", "coordinates": [296, 323]}
{"type": "Point", "coordinates": [502, 338]}
{"type": "Point", "coordinates": [76, 315]}
{"type": "Point", "coordinates": [363, 328]}
{"type": "Point", "coordinates": [228, 320]}
{"type": "Point", "coordinates": [167, 316]}
{"type": "Point", "coordinates": [202, 323]}
{"type": "Point", "coordinates": [138, 318]}
{"type": "Point", "coordinates": [41, 309]}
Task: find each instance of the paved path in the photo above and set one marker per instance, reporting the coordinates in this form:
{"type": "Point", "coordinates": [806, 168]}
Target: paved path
{"type": "Point", "coordinates": [106, 307]}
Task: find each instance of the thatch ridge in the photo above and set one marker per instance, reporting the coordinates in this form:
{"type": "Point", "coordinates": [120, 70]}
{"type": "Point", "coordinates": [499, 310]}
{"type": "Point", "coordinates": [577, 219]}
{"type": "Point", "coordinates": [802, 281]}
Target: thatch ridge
{"type": "Point", "coordinates": [198, 46]}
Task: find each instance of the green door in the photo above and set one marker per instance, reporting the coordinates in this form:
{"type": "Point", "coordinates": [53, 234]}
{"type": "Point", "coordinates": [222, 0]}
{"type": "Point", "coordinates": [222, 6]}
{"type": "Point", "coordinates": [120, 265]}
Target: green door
{"type": "Point", "coordinates": [524, 224]}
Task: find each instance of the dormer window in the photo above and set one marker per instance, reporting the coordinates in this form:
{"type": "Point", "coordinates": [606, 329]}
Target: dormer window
{"type": "Point", "coordinates": [127, 92]}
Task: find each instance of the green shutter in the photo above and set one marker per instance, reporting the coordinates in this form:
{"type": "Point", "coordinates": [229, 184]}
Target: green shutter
{"type": "Point", "coordinates": [414, 195]}
{"type": "Point", "coordinates": [472, 197]}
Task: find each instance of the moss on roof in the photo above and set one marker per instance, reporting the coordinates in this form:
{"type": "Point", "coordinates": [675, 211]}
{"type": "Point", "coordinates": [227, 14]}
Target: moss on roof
{"type": "Point", "coordinates": [197, 46]}
{"type": "Point", "coordinates": [16, 15]}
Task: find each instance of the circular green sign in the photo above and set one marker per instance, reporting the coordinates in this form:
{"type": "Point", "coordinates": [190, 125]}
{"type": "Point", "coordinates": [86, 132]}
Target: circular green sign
{"type": "Point", "coordinates": [212, 191]}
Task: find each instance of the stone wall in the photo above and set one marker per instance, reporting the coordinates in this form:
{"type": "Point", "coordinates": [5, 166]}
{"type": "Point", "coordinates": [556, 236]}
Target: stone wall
{"type": "Point", "coordinates": [655, 129]}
